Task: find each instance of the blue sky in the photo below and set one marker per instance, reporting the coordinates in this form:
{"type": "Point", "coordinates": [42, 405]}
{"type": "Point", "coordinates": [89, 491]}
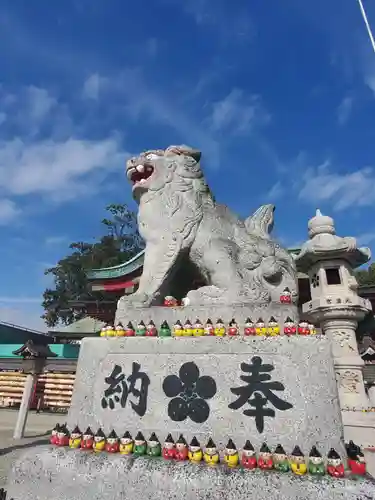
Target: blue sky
{"type": "Point", "coordinates": [279, 96]}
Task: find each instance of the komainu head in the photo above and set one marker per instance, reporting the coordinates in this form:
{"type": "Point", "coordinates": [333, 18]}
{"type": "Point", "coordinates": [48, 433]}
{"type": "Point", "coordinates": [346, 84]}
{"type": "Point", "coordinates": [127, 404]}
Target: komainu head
{"type": "Point", "coordinates": [155, 169]}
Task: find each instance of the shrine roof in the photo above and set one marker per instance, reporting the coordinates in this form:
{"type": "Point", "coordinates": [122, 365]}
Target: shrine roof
{"type": "Point", "coordinates": [10, 334]}
{"type": "Point", "coordinates": [136, 263]}
{"type": "Point", "coordinates": [33, 350]}
{"type": "Point", "coordinates": [128, 267]}
{"type": "Point", "coordinates": [82, 327]}
{"type": "Point", "coordinates": [367, 346]}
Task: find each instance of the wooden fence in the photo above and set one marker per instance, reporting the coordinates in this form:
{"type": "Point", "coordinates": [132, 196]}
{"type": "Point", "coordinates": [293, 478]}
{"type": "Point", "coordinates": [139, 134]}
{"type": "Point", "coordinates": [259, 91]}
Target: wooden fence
{"type": "Point", "coordinates": [53, 390]}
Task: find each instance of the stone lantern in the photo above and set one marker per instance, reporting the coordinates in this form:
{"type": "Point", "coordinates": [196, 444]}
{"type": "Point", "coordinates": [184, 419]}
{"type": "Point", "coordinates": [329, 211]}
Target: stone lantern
{"type": "Point", "coordinates": [329, 260]}
{"type": "Point", "coordinates": [33, 361]}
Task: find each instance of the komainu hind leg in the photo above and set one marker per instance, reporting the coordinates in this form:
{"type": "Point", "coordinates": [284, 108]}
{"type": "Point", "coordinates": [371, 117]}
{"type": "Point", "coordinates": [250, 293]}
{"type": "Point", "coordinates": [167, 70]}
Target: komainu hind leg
{"type": "Point", "coordinates": [225, 281]}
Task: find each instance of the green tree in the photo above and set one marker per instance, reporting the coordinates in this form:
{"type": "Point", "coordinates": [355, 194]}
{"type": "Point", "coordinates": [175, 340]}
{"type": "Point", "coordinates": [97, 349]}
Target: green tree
{"type": "Point", "coordinates": [366, 277]}
{"type": "Point", "coordinates": [120, 243]}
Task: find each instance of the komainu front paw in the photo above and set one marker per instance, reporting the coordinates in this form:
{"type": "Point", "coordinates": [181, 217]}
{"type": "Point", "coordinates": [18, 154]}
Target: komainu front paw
{"type": "Point", "coordinates": [205, 296]}
{"type": "Point", "coordinates": [135, 300]}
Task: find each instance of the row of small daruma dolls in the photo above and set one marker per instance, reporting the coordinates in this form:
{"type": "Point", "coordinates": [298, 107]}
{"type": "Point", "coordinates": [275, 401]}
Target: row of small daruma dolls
{"type": "Point", "coordinates": [219, 329]}
{"type": "Point", "coordinates": [181, 451]}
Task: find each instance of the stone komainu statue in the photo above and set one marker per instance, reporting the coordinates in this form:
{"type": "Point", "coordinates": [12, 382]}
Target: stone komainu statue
{"type": "Point", "coordinates": [178, 218]}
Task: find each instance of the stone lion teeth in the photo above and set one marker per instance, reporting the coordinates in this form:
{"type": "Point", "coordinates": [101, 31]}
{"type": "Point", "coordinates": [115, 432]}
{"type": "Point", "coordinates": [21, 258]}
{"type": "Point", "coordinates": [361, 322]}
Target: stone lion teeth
{"type": "Point", "coordinates": [130, 172]}
{"type": "Point", "coordinates": [140, 168]}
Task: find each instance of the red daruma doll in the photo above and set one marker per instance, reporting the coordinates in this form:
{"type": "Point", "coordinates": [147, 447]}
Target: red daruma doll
{"type": "Point", "coordinates": [335, 467]}
{"type": "Point", "coordinates": [129, 330]}
{"type": "Point", "coordinates": [248, 458]}
{"type": "Point", "coordinates": [265, 457]}
{"type": "Point", "coordinates": [170, 301]}
{"type": "Point", "coordinates": [169, 448]}
{"type": "Point", "coordinates": [286, 296]}
{"type": "Point", "coordinates": [53, 438]}
{"type": "Point", "coordinates": [233, 328]}
{"type": "Point", "coordinates": [182, 451]}
{"type": "Point", "coordinates": [303, 328]}
{"type": "Point", "coordinates": [356, 459]}
{"type": "Point", "coordinates": [290, 327]}
{"type": "Point", "coordinates": [87, 442]}
{"type": "Point", "coordinates": [249, 327]}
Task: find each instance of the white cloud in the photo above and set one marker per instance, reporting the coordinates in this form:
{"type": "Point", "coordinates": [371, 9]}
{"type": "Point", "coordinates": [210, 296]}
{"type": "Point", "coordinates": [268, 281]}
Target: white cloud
{"type": "Point", "coordinates": [26, 315]}
{"type": "Point", "coordinates": [28, 108]}
{"type": "Point", "coordinates": [44, 155]}
{"type": "Point", "coordinates": [131, 92]}
{"type": "Point", "coordinates": [366, 238]}
{"type": "Point", "coordinates": [347, 38]}
{"type": "Point", "coordinates": [39, 102]}
{"type": "Point", "coordinates": [22, 311]}
{"type": "Point", "coordinates": [238, 113]}
{"type": "Point", "coordinates": [365, 61]}
{"type": "Point", "coordinates": [226, 20]}
{"type": "Point", "coordinates": [275, 192]}
{"type": "Point", "coordinates": [91, 87]}
{"type": "Point", "coordinates": [19, 300]}
{"type": "Point", "coordinates": [49, 155]}
{"type": "Point", "coordinates": [342, 190]}
{"type": "Point", "coordinates": [344, 110]}
{"type": "Point", "coordinates": [370, 81]}
{"type": "Point", "coordinates": [56, 169]}
{"type": "Point", "coordinates": [8, 211]}
{"type": "Point", "coordinates": [55, 240]}
{"type": "Point", "coordinates": [3, 117]}
{"type": "Point", "coordinates": [288, 242]}
{"type": "Point", "coordinates": [326, 185]}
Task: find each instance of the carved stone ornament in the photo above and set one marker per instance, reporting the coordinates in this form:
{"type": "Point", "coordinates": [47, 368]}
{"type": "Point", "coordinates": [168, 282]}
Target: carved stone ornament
{"type": "Point", "coordinates": [344, 339]}
{"type": "Point", "coordinates": [348, 381]}
{"type": "Point", "coordinates": [180, 220]}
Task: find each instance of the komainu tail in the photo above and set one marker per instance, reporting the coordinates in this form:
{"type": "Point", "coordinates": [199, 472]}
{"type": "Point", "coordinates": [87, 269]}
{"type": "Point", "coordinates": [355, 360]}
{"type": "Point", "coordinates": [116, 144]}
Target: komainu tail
{"type": "Point", "coordinates": [261, 222]}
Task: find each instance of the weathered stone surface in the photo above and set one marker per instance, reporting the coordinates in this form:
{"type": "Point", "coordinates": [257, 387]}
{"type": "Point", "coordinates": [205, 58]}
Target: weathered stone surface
{"type": "Point", "coordinates": [63, 474]}
{"type": "Point", "coordinates": [302, 364]}
{"type": "Point", "coordinates": [180, 221]}
{"type": "Point", "coordinates": [226, 312]}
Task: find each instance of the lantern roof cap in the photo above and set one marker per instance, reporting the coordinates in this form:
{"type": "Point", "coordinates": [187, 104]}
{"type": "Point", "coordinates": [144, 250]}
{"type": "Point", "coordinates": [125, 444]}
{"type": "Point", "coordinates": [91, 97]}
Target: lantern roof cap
{"type": "Point", "coordinates": [324, 244]}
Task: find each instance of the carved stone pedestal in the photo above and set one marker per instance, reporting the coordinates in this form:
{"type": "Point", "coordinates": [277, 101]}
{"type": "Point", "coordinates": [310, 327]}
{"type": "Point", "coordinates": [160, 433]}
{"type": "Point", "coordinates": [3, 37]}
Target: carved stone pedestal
{"type": "Point", "coordinates": [61, 474]}
{"type": "Point", "coordinates": [191, 387]}
{"type": "Point", "coordinates": [239, 312]}
{"type": "Point", "coordinates": [348, 363]}
{"type": "Point", "coordinates": [339, 323]}
{"type": "Point", "coordinates": [371, 395]}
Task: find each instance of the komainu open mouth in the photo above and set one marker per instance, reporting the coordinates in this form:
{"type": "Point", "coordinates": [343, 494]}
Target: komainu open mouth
{"type": "Point", "coordinates": [140, 173]}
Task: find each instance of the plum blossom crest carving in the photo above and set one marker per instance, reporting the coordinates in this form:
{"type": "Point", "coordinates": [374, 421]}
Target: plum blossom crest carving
{"type": "Point", "coordinates": [189, 392]}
